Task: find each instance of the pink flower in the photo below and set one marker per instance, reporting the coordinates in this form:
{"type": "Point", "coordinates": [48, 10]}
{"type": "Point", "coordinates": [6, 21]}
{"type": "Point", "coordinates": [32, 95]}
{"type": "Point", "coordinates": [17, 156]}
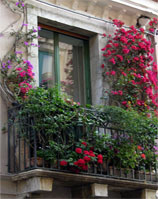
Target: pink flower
{"type": "Point", "coordinates": [134, 47]}
{"type": "Point", "coordinates": [103, 49]}
{"type": "Point", "coordinates": [108, 46]}
{"type": "Point", "coordinates": [120, 92]}
{"type": "Point", "coordinates": [123, 73]}
{"type": "Point", "coordinates": [112, 60]}
{"type": "Point", "coordinates": [112, 72]}
{"type": "Point", "coordinates": [19, 69]}
{"type": "Point", "coordinates": [136, 59]}
{"type": "Point", "coordinates": [114, 92]}
{"type": "Point", "coordinates": [120, 57]}
{"type": "Point", "coordinates": [115, 44]}
{"type": "Point", "coordinates": [124, 102]}
{"type": "Point", "coordinates": [22, 74]}
{"type": "Point", "coordinates": [141, 30]}
{"type": "Point", "coordinates": [26, 43]}
{"type": "Point", "coordinates": [125, 50]}
{"type": "Point", "coordinates": [123, 40]}
{"type": "Point", "coordinates": [151, 30]}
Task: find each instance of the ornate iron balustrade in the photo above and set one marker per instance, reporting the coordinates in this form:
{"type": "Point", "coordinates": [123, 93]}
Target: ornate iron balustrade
{"type": "Point", "coordinates": [25, 146]}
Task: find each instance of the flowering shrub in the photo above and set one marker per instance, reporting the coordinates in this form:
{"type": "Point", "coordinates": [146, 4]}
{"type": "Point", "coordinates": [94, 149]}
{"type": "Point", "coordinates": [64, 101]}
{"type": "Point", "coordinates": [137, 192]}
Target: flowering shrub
{"type": "Point", "coordinates": [17, 72]}
{"type": "Point", "coordinates": [131, 72]}
{"type": "Point", "coordinates": [82, 158]}
{"type": "Point", "coordinates": [153, 25]}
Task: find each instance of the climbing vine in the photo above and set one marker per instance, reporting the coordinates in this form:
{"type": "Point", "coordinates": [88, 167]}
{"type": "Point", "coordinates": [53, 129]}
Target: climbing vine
{"type": "Point", "coordinates": [131, 70]}
{"type": "Point", "coordinates": [16, 70]}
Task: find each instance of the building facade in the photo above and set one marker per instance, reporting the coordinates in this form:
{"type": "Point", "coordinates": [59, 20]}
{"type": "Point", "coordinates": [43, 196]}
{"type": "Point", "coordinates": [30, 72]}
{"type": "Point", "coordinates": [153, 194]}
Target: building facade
{"type": "Point", "coordinates": [71, 34]}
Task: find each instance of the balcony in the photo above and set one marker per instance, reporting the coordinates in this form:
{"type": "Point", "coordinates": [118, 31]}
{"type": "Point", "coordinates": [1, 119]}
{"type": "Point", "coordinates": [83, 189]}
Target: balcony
{"type": "Point", "coordinates": [63, 153]}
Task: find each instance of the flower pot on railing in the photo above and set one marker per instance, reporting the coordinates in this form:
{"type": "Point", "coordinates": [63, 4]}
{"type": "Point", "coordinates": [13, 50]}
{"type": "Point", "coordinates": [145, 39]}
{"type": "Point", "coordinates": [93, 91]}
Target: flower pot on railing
{"type": "Point", "coordinates": [140, 175]}
{"type": "Point", "coordinates": [31, 162]}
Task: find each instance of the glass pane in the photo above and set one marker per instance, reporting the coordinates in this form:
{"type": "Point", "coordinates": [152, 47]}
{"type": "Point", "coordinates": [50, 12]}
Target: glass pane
{"type": "Point", "coordinates": [46, 58]}
{"type": "Point", "coordinates": [72, 67]}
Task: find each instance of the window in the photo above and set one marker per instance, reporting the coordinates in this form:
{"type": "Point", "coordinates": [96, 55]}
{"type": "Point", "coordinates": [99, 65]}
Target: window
{"type": "Point", "coordinates": [64, 60]}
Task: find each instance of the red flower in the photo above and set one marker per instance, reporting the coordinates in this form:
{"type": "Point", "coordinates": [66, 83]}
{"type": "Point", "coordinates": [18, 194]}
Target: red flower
{"type": "Point", "coordinates": [84, 143]}
{"type": "Point", "coordinates": [92, 149]}
{"type": "Point", "coordinates": [125, 50]}
{"type": "Point", "coordinates": [78, 150]}
{"type": "Point", "coordinates": [124, 74]}
{"type": "Point", "coordinates": [100, 161]}
{"type": "Point", "coordinates": [120, 92]}
{"type": "Point", "coordinates": [102, 66]}
{"type": "Point", "coordinates": [141, 30]}
{"type": "Point", "coordinates": [76, 163]}
{"type": "Point", "coordinates": [119, 57]}
{"type": "Point", "coordinates": [86, 152]}
{"type": "Point", "coordinates": [112, 60]}
{"type": "Point", "coordinates": [63, 163]}
{"type": "Point", "coordinates": [81, 162]}
{"type": "Point", "coordinates": [112, 72]}
{"type": "Point", "coordinates": [139, 147]}
{"type": "Point", "coordinates": [87, 159]}
{"type": "Point", "coordinates": [85, 167]}
{"type": "Point", "coordinates": [91, 154]}
{"type": "Point", "coordinates": [143, 156]}
{"type": "Point", "coordinates": [124, 103]}
{"type": "Point", "coordinates": [100, 156]}
{"type": "Point", "coordinates": [151, 30]}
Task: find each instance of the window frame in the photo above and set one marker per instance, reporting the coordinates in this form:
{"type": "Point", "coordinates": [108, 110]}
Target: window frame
{"type": "Point", "coordinates": [87, 76]}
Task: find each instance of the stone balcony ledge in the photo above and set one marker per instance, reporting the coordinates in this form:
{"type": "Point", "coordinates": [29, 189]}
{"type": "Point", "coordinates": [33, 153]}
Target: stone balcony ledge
{"type": "Point", "coordinates": [70, 179]}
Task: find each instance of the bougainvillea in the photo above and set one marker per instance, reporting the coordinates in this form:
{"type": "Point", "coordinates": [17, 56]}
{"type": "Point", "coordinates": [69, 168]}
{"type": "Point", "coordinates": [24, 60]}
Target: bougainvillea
{"type": "Point", "coordinates": [17, 72]}
{"type": "Point", "coordinates": [131, 70]}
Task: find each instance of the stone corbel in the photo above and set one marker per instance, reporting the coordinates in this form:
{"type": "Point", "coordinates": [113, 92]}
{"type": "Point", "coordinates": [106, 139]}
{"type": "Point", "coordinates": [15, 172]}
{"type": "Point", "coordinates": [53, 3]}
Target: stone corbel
{"type": "Point", "coordinates": [33, 185]}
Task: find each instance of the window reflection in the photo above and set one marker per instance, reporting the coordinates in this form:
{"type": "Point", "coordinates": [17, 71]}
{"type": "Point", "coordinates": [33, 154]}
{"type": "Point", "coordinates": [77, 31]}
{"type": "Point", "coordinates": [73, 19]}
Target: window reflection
{"type": "Point", "coordinates": [46, 59]}
{"type": "Point", "coordinates": [72, 67]}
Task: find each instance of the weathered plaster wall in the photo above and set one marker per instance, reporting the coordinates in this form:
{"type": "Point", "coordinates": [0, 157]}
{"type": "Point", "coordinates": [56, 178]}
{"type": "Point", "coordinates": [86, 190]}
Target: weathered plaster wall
{"type": "Point", "coordinates": [7, 17]}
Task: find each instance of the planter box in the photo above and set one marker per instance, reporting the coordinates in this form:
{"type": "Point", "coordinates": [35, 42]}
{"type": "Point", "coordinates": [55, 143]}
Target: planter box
{"type": "Point", "coordinates": [31, 163]}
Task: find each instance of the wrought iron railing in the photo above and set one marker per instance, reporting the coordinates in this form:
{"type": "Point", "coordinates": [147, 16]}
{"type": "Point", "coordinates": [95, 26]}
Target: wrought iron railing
{"type": "Point", "coordinates": [29, 149]}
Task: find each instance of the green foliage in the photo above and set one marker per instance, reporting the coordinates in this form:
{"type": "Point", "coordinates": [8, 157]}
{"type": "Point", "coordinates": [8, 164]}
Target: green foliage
{"type": "Point", "coordinates": [62, 125]}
